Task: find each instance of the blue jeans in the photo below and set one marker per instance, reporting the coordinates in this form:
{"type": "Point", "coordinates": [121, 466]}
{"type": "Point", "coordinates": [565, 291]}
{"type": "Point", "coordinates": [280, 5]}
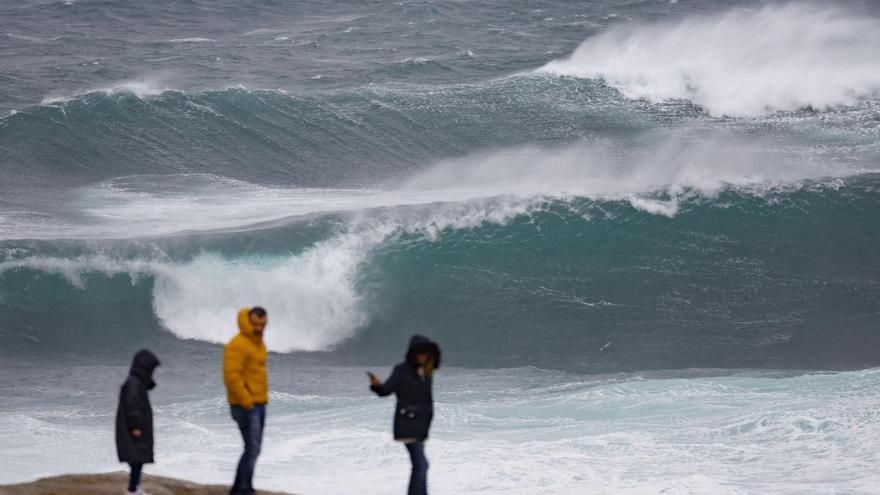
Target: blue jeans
{"type": "Point", "coordinates": [250, 423]}
{"type": "Point", "coordinates": [134, 479]}
{"type": "Point", "coordinates": [418, 480]}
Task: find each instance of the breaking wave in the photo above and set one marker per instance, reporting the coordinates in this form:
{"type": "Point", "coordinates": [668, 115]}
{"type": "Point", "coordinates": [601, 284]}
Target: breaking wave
{"type": "Point", "coordinates": [740, 63]}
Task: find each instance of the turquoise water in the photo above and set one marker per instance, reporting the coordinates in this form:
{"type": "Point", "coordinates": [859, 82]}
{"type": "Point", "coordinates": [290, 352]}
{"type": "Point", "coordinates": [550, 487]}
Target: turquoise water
{"type": "Point", "coordinates": [645, 234]}
{"type": "Point", "coordinates": [515, 430]}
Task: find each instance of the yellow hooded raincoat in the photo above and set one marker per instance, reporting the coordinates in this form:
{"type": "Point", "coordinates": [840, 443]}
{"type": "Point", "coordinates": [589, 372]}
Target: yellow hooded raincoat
{"type": "Point", "coordinates": [244, 366]}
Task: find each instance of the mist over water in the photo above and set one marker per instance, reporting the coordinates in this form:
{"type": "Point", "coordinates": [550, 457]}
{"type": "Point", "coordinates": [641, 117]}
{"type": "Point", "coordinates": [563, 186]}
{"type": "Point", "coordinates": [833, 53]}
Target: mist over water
{"type": "Point", "coordinates": [742, 62]}
{"type": "Point", "coordinates": [621, 220]}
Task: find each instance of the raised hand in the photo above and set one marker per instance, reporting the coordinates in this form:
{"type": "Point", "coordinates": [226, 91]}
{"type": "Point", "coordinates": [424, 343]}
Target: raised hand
{"type": "Point", "coordinates": [374, 380]}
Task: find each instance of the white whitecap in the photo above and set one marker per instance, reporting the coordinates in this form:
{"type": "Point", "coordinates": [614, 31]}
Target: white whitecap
{"type": "Point", "coordinates": [739, 63]}
{"type": "Point", "coordinates": [191, 40]}
{"type": "Point", "coordinates": [142, 89]}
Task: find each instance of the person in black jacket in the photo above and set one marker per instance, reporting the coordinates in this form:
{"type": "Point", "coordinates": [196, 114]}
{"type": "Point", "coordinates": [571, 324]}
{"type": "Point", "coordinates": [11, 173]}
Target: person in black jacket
{"type": "Point", "coordinates": [412, 382]}
{"type": "Point", "coordinates": [134, 418]}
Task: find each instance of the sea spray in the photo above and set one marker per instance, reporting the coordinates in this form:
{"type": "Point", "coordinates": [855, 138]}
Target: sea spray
{"type": "Point", "coordinates": [744, 62]}
{"type": "Point", "coordinates": [692, 192]}
{"type": "Point", "coordinates": [594, 270]}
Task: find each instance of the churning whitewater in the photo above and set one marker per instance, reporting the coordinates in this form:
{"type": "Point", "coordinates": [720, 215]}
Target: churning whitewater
{"type": "Point", "coordinates": [740, 63]}
{"type": "Point", "coordinates": [647, 231]}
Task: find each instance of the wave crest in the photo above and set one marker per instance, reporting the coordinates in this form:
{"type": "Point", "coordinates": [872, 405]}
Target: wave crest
{"type": "Point", "coordinates": [740, 63]}
{"type": "Point", "coordinates": [142, 89]}
{"type": "Point", "coordinates": [312, 297]}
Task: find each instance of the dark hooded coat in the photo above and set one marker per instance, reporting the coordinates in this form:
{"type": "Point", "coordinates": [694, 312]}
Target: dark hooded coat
{"type": "Point", "coordinates": [134, 411]}
{"type": "Point", "coordinates": [415, 399]}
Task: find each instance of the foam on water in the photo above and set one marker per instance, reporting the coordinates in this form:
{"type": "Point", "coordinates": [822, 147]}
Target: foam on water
{"type": "Point", "coordinates": [743, 62]}
{"type": "Point", "coordinates": [519, 431]}
{"type": "Point", "coordinates": [191, 40]}
{"type": "Point", "coordinates": [141, 88]}
{"type": "Point", "coordinates": [312, 295]}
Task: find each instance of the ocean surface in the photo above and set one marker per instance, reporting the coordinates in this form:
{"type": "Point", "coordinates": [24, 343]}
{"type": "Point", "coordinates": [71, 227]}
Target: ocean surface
{"type": "Point", "coordinates": [645, 233]}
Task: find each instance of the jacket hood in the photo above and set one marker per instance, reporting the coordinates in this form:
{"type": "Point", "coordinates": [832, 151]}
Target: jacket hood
{"type": "Point", "coordinates": [419, 344]}
{"type": "Point", "coordinates": [142, 367]}
{"type": "Point", "coordinates": [244, 323]}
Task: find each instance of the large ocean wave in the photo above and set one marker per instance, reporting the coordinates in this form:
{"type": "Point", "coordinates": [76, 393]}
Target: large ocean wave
{"type": "Point", "coordinates": [563, 210]}
{"type": "Point", "coordinates": [744, 276]}
{"type": "Point", "coordinates": [702, 161]}
{"type": "Point", "coordinates": [743, 62]}
{"type": "Point", "coordinates": [313, 139]}
{"type": "Point", "coordinates": [642, 232]}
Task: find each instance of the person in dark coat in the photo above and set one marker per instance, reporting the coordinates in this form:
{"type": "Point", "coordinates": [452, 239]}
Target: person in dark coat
{"type": "Point", "coordinates": [412, 381]}
{"type": "Point", "coordinates": [134, 418]}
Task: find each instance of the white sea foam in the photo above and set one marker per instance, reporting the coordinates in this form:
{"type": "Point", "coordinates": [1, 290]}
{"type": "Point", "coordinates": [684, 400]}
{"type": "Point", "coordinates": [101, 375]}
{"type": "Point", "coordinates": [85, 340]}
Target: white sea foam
{"type": "Point", "coordinates": [312, 295]}
{"type": "Point", "coordinates": [515, 431]}
{"type": "Point", "coordinates": [32, 39]}
{"type": "Point", "coordinates": [191, 40]}
{"type": "Point", "coordinates": [741, 63]}
{"type": "Point", "coordinates": [263, 31]}
{"type": "Point", "coordinates": [145, 88]}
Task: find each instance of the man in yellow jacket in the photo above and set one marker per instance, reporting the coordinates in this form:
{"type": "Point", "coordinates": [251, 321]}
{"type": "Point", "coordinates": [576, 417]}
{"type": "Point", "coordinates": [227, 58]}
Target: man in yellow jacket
{"type": "Point", "coordinates": [247, 388]}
